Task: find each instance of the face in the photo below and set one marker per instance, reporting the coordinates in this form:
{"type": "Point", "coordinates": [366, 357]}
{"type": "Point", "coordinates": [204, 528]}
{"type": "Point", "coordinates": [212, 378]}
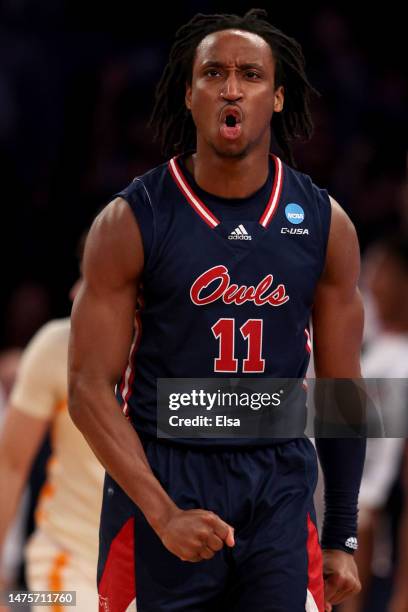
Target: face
{"type": "Point", "coordinates": [232, 96]}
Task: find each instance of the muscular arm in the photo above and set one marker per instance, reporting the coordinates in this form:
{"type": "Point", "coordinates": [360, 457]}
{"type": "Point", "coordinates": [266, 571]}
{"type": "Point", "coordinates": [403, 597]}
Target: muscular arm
{"type": "Point", "coordinates": [337, 330]}
{"type": "Point", "coordinates": [101, 335]}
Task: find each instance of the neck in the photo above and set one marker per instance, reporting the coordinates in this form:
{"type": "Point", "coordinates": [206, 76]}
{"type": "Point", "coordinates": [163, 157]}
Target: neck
{"type": "Point", "coordinates": [229, 177]}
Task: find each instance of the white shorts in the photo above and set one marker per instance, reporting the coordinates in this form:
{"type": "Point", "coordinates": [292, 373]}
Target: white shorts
{"type": "Point", "coordinates": [49, 567]}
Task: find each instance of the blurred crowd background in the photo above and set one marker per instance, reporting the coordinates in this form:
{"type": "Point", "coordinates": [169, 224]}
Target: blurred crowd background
{"type": "Point", "coordinates": [77, 84]}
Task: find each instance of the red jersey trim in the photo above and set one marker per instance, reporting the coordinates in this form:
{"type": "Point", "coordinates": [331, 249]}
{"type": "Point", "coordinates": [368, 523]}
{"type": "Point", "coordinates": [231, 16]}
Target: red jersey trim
{"type": "Point", "coordinates": [190, 196]}
{"type": "Point", "coordinates": [315, 585]}
{"type": "Point", "coordinates": [272, 205]}
{"type": "Point", "coordinates": [206, 215]}
{"type": "Point", "coordinates": [129, 375]}
{"type": "Point", "coordinates": [308, 341]}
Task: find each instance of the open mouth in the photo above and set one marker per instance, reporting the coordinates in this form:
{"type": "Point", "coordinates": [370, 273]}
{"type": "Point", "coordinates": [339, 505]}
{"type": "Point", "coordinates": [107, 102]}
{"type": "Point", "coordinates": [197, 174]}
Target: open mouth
{"type": "Point", "coordinates": [230, 121]}
{"type": "Point", "coordinates": [231, 124]}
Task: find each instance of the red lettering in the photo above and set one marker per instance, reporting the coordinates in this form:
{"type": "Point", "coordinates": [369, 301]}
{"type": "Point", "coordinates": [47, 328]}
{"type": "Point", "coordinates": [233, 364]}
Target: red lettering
{"type": "Point", "coordinates": [235, 294]}
{"type": "Point", "coordinates": [230, 294]}
{"type": "Point", "coordinates": [263, 286]}
{"type": "Point", "coordinates": [278, 296]}
{"type": "Point", "coordinates": [217, 273]}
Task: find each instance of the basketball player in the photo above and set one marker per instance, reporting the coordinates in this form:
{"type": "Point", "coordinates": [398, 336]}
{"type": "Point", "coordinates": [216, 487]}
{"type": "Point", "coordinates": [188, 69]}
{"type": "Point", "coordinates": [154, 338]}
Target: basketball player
{"type": "Point", "coordinates": [200, 524]}
{"type": "Point", "coordinates": [62, 552]}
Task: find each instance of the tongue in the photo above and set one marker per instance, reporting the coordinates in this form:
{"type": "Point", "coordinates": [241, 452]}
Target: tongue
{"type": "Point", "coordinates": [231, 133]}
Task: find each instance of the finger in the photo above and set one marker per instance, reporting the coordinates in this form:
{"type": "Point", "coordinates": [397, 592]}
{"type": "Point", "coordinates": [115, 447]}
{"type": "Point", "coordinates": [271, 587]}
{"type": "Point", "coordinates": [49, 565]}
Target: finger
{"type": "Point", "coordinates": [339, 597]}
{"type": "Point", "coordinates": [344, 587]}
{"type": "Point", "coordinates": [328, 607]}
{"type": "Point", "coordinates": [347, 590]}
{"type": "Point", "coordinates": [230, 539]}
{"type": "Point", "coordinates": [191, 559]}
{"type": "Point", "coordinates": [330, 587]}
{"type": "Point", "coordinates": [214, 542]}
{"type": "Point", "coordinates": [223, 531]}
{"type": "Point", "coordinates": [206, 553]}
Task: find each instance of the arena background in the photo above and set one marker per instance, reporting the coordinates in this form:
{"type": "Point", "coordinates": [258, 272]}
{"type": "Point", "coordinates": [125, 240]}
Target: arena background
{"type": "Point", "coordinates": [77, 82]}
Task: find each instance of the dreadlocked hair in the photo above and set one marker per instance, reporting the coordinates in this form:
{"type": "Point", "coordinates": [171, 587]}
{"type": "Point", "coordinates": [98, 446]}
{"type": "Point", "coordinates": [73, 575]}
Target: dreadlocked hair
{"type": "Point", "coordinates": [172, 122]}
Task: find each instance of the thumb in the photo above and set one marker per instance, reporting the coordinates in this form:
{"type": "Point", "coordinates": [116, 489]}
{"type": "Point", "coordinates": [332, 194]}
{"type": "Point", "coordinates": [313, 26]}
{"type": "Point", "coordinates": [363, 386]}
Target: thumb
{"type": "Point", "coordinates": [327, 607]}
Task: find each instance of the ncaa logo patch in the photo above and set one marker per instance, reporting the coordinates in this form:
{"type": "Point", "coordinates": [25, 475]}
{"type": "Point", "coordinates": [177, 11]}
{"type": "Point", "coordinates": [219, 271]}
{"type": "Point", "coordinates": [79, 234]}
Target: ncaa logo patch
{"type": "Point", "coordinates": [294, 213]}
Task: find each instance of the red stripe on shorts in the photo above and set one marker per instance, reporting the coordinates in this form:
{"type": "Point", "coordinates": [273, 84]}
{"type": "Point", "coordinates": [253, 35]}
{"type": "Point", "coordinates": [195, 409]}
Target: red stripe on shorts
{"type": "Point", "coordinates": [315, 583]}
{"type": "Point", "coordinates": [117, 588]}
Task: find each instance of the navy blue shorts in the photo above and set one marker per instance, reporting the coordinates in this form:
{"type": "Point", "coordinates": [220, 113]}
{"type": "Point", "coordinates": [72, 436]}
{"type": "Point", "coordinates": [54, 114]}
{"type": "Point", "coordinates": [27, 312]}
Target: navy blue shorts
{"type": "Point", "coordinates": [265, 493]}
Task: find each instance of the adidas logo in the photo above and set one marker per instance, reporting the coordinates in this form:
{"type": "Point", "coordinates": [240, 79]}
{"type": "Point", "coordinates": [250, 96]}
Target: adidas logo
{"type": "Point", "coordinates": [239, 233]}
{"type": "Point", "coordinates": [351, 543]}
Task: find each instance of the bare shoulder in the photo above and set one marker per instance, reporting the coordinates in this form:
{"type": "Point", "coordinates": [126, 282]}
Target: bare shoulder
{"type": "Point", "coordinates": [114, 250]}
{"type": "Point", "coordinates": [341, 224]}
{"type": "Point", "coordinates": [343, 252]}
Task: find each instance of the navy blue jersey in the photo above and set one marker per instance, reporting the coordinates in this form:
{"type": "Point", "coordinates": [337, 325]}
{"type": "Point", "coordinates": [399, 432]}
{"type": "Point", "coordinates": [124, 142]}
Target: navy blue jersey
{"type": "Point", "coordinates": [228, 285]}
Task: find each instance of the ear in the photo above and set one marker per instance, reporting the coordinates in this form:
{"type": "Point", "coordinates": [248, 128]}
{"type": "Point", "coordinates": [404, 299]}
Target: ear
{"type": "Point", "coordinates": [279, 99]}
{"type": "Point", "coordinates": [188, 96]}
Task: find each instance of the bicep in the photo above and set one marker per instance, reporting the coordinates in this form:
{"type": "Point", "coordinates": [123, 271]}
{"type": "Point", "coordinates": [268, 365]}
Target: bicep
{"type": "Point", "coordinates": [338, 310]}
{"type": "Point", "coordinates": [103, 312]}
{"type": "Point", "coordinates": [101, 332]}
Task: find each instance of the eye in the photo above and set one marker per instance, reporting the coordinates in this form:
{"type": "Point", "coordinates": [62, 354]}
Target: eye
{"type": "Point", "coordinates": [212, 72]}
{"type": "Point", "coordinates": [252, 75]}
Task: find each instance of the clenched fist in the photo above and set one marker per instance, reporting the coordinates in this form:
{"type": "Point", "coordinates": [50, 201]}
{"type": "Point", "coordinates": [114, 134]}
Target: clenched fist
{"type": "Point", "coordinates": [194, 535]}
{"type": "Point", "coordinates": [340, 577]}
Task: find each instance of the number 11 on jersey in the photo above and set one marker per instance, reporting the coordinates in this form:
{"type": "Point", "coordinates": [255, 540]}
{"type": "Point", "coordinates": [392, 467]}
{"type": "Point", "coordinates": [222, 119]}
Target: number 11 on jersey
{"type": "Point", "coordinates": [251, 331]}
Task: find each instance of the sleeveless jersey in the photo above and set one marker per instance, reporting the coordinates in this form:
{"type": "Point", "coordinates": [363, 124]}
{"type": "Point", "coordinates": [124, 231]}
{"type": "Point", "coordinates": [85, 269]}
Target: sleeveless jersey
{"type": "Point", "coordinates": [228, 285]}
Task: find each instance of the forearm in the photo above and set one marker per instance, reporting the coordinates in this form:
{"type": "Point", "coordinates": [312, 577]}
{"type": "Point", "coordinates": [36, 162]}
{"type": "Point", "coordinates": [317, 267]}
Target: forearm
{"type": "Point", "coordinates": [21, 438]}
{"type": "Point", "coordinates": [118, 447]}
{"type": "Point", "coordinates": [12, 481]}
{"type": "Point", "coordinates": [340, 431]}
{"type": "Point", "coordinates": [342, 461]}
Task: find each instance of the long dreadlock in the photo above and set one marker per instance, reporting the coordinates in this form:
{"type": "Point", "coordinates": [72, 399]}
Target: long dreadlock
{"type": "Point", "coordinates": [174, 127]}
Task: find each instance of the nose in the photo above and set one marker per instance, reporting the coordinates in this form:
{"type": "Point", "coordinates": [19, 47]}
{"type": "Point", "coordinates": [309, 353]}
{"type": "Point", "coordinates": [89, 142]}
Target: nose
{"type": "Point", "coordinates": [231, 89]}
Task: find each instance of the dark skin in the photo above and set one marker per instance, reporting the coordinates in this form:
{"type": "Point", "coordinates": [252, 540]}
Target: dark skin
{"type": "Point", "coordinates": [107, 300]}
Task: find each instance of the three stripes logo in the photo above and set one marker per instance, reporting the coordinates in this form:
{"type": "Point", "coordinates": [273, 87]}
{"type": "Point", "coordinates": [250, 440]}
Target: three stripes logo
{"type": "Point", "coordinates": [351, 543]}
{"type": "Point", "coordinates": [239, 233]}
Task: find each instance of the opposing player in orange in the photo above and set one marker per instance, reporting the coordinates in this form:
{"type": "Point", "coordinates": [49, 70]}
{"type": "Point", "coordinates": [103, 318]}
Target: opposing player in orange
{"type": "Point", "coordinates": [62, 552]}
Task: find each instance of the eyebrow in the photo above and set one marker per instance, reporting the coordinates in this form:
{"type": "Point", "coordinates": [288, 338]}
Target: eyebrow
{"type": "Point", "coordinates": [245, 66]}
